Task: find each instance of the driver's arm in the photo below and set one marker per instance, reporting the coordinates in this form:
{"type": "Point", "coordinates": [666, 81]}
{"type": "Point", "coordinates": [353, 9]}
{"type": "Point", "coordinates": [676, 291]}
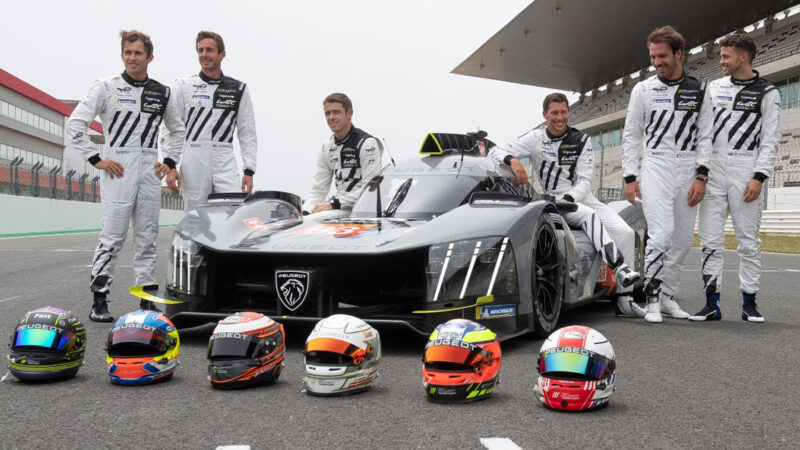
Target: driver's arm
{"type": "Point", "coordinates": [369, 155]}
{"type": "Point", "coordinates": [322, 181]}
{"type": "Point", "coordinates": [584, 172]}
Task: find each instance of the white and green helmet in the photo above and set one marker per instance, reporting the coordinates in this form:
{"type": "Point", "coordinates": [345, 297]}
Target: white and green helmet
{"type": "Point", "coordinates": [341, 356]}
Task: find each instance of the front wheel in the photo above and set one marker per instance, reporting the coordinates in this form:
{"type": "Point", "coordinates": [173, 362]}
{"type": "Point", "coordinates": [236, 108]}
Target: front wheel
{"type": "Point", "coordinates": [546, 277]}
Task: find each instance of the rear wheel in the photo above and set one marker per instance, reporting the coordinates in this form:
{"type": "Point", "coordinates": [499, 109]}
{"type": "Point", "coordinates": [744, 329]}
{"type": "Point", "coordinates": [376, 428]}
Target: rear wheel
{"type": "Point", "coordinates": [546, 277]}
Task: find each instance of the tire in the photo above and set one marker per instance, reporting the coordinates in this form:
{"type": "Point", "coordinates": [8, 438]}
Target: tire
{"type": "Point", "coordinates": [547, 277]}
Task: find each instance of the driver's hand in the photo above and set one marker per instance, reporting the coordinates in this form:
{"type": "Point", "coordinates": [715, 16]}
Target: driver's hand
{"type": "Point", "coordinates": [520, 176]}
{"type": "Point", "coordinates": [632, 192]}
{"type": "Point", "coordinates": [324, 206]}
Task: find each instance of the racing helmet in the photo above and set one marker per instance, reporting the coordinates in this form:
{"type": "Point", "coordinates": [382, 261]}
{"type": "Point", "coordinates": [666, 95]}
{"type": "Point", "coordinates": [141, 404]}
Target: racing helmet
{"type": "Point", "coordinates": [577, 367]}
{"type": "Point", "coordinates": [341, 356]}
{"type": "Point", "coordinates": [461, 363]}
{"type": "Point", "coordinates": [245, 349]}
{"type": "Point", "coordinates": [47, 344]}
{"type": "Point", "coordinates": [142, 348]}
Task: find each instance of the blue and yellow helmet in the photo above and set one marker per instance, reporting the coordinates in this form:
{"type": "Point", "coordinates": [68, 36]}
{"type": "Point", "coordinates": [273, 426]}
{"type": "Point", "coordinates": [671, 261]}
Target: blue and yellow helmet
{"type": "Point", "coordinates": [142, 348]}
{"type": "Point", "coordinates": [461, 363]}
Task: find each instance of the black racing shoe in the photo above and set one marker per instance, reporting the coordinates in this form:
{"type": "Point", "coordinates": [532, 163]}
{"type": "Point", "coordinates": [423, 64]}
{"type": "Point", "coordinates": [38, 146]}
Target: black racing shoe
{"type": "Point", "coordinates": [100, 311]}
{"type": "Point", "coordinates": [148, 306]}
{"type": "Point", "coordinates": [750, 312]}
{"type": "Point", "coordinates": [626, 276]}
{"type": "Point", "coordinates": [709, 312]}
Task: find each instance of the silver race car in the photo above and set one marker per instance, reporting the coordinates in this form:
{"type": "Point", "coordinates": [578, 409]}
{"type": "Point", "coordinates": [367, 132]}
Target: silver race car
{"type": "Point", "coordinates": [436, 237]}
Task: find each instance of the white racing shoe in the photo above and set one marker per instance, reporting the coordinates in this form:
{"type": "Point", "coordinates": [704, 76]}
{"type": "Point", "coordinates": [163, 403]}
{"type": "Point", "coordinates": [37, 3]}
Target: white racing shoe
{"type": "Point", "coordinates": [627, 307]}
{"type": "Point", "coordinates": [653, 312]}
{"type": "Point", "coordinates": [671, 308]}
{"type": "Point", "coordinates": [626, 276]}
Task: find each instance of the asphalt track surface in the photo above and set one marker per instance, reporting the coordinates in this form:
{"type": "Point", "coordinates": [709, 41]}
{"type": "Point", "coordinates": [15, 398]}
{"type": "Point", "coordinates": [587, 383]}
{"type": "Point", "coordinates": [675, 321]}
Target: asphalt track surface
{"type": "Point", "coordinates": [686, 385]}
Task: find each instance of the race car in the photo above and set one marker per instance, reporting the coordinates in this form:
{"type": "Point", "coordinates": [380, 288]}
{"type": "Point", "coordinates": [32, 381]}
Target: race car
{"type": "Point", "coordinates": [439, 236]}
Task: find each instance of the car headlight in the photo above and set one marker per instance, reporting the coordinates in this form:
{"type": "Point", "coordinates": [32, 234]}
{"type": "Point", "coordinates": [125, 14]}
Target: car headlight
{"type": "Point", "coordinates": [186, 269]}
{"type": "Point", "coordinates": [471, 268]}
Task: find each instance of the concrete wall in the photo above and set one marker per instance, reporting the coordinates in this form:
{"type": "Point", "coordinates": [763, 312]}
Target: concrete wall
{"type": "Point", "coordinates": [31, 215]}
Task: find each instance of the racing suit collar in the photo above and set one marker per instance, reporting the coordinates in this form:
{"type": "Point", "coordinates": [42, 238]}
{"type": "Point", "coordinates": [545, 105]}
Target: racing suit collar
{"type": "Point", "coordinates": [133, 82]}
{"type": "Point", "coordinates": [746, 82]}
{"type": "Point", "coordinates": [211, 80]}
{"type": "Point", "coordinates": [346, 138]}
{"type": "Point", "coordinates": [556, 138]}
{"type": "Point", "coordinates": [676, 82]}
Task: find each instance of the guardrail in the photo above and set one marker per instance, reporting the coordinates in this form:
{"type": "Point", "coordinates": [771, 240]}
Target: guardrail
{"type": "Point", "coordinates": [777, 221]}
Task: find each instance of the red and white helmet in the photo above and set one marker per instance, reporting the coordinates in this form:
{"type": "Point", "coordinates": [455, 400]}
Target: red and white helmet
{"type": "Point", "coordinates": [577, 368]}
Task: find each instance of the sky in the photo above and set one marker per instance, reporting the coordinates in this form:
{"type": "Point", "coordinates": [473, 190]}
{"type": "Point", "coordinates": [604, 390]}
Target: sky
{"type": "Point", "coordinates": [393, 59]}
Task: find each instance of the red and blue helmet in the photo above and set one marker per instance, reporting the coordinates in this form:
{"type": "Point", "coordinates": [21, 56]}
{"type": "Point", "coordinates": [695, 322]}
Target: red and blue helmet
{"type": "Point", "coordinates": [142, 348]}
{"type": "Point", "coordinates": [47, 344]}
{"type": "Point", "coordinates": [461, 363]}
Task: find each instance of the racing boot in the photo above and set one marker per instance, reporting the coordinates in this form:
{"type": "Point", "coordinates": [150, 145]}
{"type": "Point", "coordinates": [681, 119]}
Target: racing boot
{"type": "Point", "coordinates": [653, 312]}
{"type": "Point", "coordinates": [627, 307]}
{"type": "Point", "coordinates": [670, 308]}
{"type": "Point", "coordinates": [100, 309]}
{"type": "Point", "coordinates": [750, 309]}
{"type": "Point", "coordinates": [626, 276]}
{"type": "Point", "coordinates": [148, 306]}
{"type": "Point", "coordinates": [709, 312]}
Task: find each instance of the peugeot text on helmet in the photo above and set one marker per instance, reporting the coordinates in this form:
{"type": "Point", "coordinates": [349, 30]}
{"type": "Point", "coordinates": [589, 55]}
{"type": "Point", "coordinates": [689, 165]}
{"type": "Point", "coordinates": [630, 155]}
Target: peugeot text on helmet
{"type": "Point", "coordinates": [47, 344]}
{"type": "Point", "coordinates": [245, 349]}
{"type": "Point", "coordinates": [341, 356]}
{"type": "Point", "coordinates": [142, 348]}
{"type": "Point", "coordinates": [577, 368]}
{"type": "Point", "coordinates": [461, 363]}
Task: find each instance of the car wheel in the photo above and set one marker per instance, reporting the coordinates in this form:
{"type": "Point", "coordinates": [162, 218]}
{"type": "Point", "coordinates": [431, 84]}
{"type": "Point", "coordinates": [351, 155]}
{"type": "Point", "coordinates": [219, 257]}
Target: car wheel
{"type": "Point", "coordinates": [546, 277]}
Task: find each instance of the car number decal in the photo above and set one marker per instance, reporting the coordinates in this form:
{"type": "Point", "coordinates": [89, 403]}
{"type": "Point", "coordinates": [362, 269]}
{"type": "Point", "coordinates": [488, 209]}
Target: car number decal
{"type": "Point", "coordinates": [331, 229]}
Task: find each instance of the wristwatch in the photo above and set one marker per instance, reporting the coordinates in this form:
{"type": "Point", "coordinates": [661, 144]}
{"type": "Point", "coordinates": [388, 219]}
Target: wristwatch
{"type": "Point", "coordinates": [703, 179]}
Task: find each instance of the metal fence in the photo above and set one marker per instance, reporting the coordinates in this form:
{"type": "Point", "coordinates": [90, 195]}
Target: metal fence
{"type": "Point", "coordinates": [32, 180]}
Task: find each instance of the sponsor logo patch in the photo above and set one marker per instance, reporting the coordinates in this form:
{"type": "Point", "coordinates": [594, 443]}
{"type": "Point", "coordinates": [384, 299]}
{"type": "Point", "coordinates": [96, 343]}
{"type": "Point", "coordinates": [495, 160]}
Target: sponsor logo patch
{"type": "Point", "coordinates": [292, 288]}
{"type": "Point", "coordinates": [495, 311]}
{"type": "Point", "coordinates": [126, 100]}
{"type": "Point", "coordinates": [572, 334]}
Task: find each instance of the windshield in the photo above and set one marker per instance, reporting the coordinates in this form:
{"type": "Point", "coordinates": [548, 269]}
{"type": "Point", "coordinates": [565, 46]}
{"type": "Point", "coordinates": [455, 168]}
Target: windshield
{"type": "Point", "coordinates": [421, 197]}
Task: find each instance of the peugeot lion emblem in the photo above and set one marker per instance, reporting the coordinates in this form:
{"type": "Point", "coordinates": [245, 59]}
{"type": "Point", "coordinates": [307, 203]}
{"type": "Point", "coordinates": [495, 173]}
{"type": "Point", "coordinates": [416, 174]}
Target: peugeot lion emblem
{"type": "Point", "coordinates": [292, 287]}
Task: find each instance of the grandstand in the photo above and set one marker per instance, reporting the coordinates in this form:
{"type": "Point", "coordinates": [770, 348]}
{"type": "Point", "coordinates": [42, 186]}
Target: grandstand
{"type": "Point", "coordinates": [603, 94]}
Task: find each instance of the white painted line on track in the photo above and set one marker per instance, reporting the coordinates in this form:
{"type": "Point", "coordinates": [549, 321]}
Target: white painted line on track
{"type": "Point", "coordinates": [499, 444]}
{"type": "Point", "coordinates": [9, 298]}
{"type": "Point", "coordinates": [233, 447]}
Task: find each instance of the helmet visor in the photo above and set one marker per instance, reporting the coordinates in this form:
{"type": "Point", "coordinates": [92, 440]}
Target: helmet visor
{"type": "Point", "coordinates": [37, 337]}
{"type": "Point", "coordinates": [233, 345]}
{"type": "Point", "coordinates": [316, 348]}
{"type": "Point", "coordinates": [575, 365]}
{"type": "Point", "coordinates": [135, 341]}
{"type": "Point", "coordinates": [456, 357]}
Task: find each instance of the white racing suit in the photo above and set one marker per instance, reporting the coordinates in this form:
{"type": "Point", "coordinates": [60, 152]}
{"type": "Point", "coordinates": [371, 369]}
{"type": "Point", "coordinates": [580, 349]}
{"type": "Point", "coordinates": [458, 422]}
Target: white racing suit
{"type": "Point", "coordinates": [564, 166]}
{"type": "Point", "coordinates": [212, 110]}
{"type": "Point", "coordinates": [673, 120]}
{"type": "Point", "coordinates": [746, 136]}
{"type": "Point", "coordinates": [131, 112]}
{"type": "Point", "coordinates": [351, 163]}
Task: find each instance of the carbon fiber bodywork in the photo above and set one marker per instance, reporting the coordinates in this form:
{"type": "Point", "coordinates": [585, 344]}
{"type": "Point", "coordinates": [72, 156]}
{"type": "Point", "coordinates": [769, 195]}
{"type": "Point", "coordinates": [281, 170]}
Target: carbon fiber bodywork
{"type": "Point", "coordinates": [433, 238]}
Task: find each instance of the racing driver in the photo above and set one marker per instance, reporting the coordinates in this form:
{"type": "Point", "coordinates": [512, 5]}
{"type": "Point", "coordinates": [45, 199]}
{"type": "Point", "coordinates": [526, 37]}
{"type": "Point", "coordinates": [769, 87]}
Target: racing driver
{"type": "Point", "coordinates": [671, 115]}
{"type": "Point", "coordinates": [351, 157]}
{"type": "Point", "coordinates": [212, 106]}
{"type": "Point", "coordinates": [746, 134]}
{"type": "Point", "coordinates": [563, 156]}
{"type": "Point", "coordinates": [131, 107]}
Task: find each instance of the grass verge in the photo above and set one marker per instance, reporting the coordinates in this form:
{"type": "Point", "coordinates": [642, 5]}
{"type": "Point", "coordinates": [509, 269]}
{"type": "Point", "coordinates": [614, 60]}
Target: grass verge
{"type": "Point", "coordinates": [769, 243]}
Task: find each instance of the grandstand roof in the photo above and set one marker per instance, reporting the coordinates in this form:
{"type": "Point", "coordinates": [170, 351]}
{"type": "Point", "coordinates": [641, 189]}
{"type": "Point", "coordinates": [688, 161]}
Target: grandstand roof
{"type": "Point", "coordinates": [39, 96]}
{"type": "Point", "coordinates": [581, 45]}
